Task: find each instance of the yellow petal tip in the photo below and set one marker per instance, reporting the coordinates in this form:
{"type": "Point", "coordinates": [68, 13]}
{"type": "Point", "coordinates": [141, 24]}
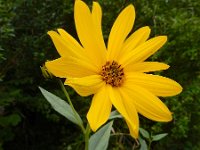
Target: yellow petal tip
{"type": "Point", "coordinates": [79, 2]}
{"type": "Point", "coordinates": [92, 125]}
{"type": "Point", "coordinates": [179, 88]}
{"type": "Point", "coordinates": [167, 117]}
{"type": "Point", "coordinates": [131, 6]}
{"type": "Point", "coordinates": [60, 29]}
{"type": "Point", "coordinates": [163, 38]}
{"type": "Point", "coordinates": [167, 66]}
{"type": "Point", "coordinates": [147, 29]}
{"type": "Point", "coordinates": [95, 3]}
{"type": "Point", "coordinates": [50, 32]}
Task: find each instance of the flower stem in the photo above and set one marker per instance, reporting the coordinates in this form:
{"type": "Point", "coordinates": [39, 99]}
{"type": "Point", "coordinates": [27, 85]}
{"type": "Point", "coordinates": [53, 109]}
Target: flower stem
{"type": "Point", "coordinates": [87, 134]}
{"type": "Point", "coordinates": [149, 146]}
{"type": "Point", "coordinates": [71, 105]}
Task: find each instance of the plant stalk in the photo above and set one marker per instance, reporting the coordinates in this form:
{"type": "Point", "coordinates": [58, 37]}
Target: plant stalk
{"type": "Point", "coordinates": [87, 135]}
{"type": "Point", "coordinates": [71, 105]}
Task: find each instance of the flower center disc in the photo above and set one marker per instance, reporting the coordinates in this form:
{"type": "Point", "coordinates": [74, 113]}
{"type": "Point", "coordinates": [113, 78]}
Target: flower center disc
{"type": "Point", "coordinates": [112, 74]}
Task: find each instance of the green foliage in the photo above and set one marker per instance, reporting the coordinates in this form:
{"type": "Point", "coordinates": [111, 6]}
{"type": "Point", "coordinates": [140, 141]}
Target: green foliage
{"type": "Point", "coordinates": [100, 139]}
{"type": "Point", "coordinates": [6, 29]}
{"type": "Point", "coordinates": [10, 120]}
{"type": "Point", "coordinates": [146, 137]}
{"type": "Point", "coordinates": [25, 46]}
{"type": "Point", "coordinates": [144, 133]}
{"type": "Point", "coordinates": [143, 144]}
{"type": "Point", "coordinates": [62, 107]}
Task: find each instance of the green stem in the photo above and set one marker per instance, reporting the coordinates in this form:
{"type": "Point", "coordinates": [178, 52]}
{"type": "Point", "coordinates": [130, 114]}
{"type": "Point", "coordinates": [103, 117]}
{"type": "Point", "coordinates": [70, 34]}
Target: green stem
{"type": "Point", "coordinates": [85, 131]}
{"type": "Point", "coordinates": [71, 105]}
{"type": "Point", "coordinates": [87, 134]}
{"type": "Point", "coordinates": [149, 146]}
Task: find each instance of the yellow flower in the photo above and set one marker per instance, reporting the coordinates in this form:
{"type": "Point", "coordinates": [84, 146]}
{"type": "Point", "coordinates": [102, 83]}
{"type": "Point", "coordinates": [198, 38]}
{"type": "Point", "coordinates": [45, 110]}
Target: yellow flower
{"type": "Point", "coordinates": [116, 74]}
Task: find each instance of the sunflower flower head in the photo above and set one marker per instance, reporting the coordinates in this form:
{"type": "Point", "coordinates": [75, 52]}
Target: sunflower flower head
{"type": "Point", "coordinates": [117, 74]}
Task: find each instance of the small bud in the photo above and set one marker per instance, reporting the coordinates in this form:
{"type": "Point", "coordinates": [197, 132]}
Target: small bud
{"type": "Point", "coordinates": [46, 74]}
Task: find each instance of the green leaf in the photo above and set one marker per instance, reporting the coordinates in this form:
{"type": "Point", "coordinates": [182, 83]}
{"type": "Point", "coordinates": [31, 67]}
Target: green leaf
{"type": "Point", "coordinates": [159, 136]}
{"type": "Point", "coordinates": [144, 133]}
{"type": "Point", "coordinates": [10, 120]}
{"type": "Point", "coordinates": [100, 139]}
{"type": "Point", "coordinates": [143, 144]}
{"type": "Point", "coordinates": [61, 107]}
{"type": "Point", "coordinates": [115, 114]}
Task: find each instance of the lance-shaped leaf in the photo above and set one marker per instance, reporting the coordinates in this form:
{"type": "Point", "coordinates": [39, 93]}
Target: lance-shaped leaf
{"type": "Point", "coordinates": [159, 136]}
{"type": "Point", "coordinates": [115, 114]}
{"type": "Point", "coordinates": [143, 144]}
{"type": "Point", "coordinates": [99, 140]}
{"type": "Point", "coordinates": [144, 133]}
{"type": "Point", "coordinates": [61, 107]}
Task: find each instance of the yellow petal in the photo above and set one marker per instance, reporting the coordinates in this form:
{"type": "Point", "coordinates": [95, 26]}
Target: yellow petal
{"type": "Point", "coordinates": [126, 108]}
{"type": "Point", "coordinates": [134, 124]}
{"type": "Point", "coordinates": [133, 128]}
{"type": "Point", "coordinates": [146, 103]}
{"type": "Point", "coordinates": [70, 67]}
{"type": "Point", "coordinates": [158, 85]}
{"type": "Point", "coordinates": [143, 51]}
{"type": "Point", "coordinates": [137, 38]}
{"type": "Point", "coordinates": [63, 48]}
{"type": "Point", "coordinates": [96, 17]}
{"type": "Point", "coordinates": [71, 43]}
{"type": "Point", "coordinates": [100, 109]}
{"type": "Point", "coordinates": [87, 33]}
{"type": "Point", "coordinates": [121, 28]}
{"type": "Point", "coordinates": [146, 67]}
{"type": "Point", "coordinates": [86, 85]}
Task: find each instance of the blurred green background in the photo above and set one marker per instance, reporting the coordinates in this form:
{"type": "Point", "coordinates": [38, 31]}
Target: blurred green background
{"type": "Point", "coordinates": [27, 121]}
